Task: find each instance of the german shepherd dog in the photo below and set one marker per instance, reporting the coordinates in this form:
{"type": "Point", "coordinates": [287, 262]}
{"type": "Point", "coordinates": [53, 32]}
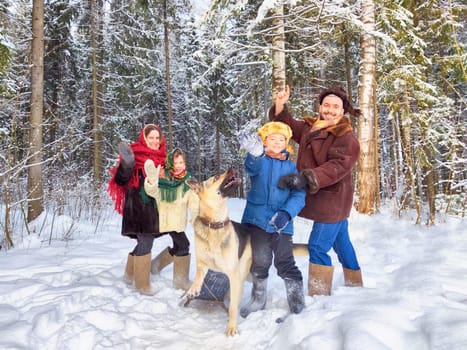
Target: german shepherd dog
{"type": "Point", "coordinates": [218, 245]}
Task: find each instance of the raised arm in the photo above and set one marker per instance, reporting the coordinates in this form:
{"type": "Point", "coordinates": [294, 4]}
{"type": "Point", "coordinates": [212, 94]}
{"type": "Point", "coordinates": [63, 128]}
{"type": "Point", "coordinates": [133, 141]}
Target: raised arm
{"type": "Point", "coordinates": [281, 99]}
{"type": "Point", "coordinates": [151, 182]}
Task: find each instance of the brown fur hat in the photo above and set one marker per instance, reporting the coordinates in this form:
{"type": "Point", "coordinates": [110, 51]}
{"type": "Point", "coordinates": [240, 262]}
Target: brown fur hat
{"type": "Point", "coordinates": [342, 94]}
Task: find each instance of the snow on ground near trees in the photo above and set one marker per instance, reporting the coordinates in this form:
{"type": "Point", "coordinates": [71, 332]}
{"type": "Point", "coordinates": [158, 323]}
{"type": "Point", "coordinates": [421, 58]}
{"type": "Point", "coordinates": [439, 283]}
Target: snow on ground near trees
{"type": "Point", "coordinates": [70, 294]}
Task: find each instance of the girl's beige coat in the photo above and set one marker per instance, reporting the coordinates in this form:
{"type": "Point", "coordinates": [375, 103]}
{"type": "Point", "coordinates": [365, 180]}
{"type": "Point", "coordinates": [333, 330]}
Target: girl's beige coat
{"type": "Point", "coordinates": [173, 216]}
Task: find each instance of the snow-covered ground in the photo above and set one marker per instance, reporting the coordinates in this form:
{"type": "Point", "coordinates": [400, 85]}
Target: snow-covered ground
{"type": "Point", "coordinates": [70, 294]}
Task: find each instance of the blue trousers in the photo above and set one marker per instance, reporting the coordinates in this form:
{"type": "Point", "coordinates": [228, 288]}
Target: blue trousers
{"type": "Point", "coordinates": [325, 236]}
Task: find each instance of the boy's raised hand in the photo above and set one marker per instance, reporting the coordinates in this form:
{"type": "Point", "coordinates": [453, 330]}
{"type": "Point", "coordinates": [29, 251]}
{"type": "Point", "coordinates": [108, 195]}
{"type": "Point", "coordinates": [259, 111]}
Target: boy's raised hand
{"type": "Point", "coordinates": [251, 143]}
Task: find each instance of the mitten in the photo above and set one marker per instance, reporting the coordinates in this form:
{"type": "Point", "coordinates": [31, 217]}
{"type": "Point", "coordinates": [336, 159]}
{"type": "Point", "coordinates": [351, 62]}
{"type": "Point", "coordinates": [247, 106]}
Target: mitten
{"type": "Point", "coordinates": [252, 144]}
{"type": "Point", "coordinates": [126, 154]}
{"type": "Point", "coordinates": [152, 173]}
{"type": "Point", "coordinates": [292, 181]}
{"type": "Point", "coordinates": [306, 179]}
{"type": "Point", "coordinates": [280, 220]}
{"type": "Point", "coordinates": [311, 181]}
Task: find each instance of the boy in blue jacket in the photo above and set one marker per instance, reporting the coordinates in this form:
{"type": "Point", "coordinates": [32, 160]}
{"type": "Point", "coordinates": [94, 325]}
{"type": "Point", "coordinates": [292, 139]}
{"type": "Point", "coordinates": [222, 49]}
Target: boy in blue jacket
{"type": "Point", "coordinates": [268, 215]}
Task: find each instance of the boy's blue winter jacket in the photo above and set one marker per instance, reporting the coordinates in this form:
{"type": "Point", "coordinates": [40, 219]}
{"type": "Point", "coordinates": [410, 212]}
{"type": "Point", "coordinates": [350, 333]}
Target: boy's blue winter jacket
{"type": "Point", "coordinates": [265, 198]}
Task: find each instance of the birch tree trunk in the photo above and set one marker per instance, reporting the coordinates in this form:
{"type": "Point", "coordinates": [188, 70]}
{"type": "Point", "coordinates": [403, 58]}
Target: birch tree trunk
{"type": "Point", "coordinates": [35, 181]}
{"type": "Point", "coordinates": [96, 43]}
{"type": "Point", "coordinates": [167, 76]}
{"type": "Point", "coordinates": [278, 54]}
{"type": "Point", "coordinates": [367, 177]}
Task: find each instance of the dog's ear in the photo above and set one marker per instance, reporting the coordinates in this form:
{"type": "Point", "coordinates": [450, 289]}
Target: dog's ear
{"type": "Point", "coordinates": [194, 185]}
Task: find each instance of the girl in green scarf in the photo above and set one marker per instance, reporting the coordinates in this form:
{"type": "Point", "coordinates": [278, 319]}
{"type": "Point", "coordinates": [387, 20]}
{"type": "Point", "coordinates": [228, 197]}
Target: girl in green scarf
{"type": "Point", "coordinates": [174, 198]}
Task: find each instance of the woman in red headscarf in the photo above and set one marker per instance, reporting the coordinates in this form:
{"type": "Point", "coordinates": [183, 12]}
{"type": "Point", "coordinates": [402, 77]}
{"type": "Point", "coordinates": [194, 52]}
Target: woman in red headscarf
{"type": "Point", "coordinates": [140, 218]}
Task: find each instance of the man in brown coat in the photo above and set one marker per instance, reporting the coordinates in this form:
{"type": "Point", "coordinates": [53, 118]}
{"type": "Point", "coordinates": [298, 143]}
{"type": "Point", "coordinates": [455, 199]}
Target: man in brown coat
{"type": "Point", "coordinates": [328, 150]}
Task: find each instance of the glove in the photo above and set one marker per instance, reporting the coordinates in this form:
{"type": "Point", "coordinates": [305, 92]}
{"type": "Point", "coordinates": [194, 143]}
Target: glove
{"type": "Point", "coordinates": [312, 182]}
{"type": "Point", "coordinates": [152, 173]}
{"type": "Point", "coordinates": [252, 143]}
{"type": "Point", "coordinates": [280, 220]}
{"type": "Point", "coordinates": [292, 181]}
{"type": "Point", "coordinates": [306, 179]}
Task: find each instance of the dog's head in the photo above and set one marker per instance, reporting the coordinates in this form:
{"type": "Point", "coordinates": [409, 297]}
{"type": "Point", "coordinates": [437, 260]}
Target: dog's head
{"type": "Point", "coordinates": [223, 185]}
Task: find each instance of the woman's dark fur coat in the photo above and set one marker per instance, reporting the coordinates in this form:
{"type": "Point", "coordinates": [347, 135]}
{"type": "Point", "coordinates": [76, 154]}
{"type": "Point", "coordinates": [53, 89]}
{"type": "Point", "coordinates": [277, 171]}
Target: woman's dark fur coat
{"type": "Point", "coordinates": [139, 213]}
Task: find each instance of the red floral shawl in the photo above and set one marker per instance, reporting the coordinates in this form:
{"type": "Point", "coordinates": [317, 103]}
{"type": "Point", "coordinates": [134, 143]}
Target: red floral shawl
{"type": "Point", "coordinates": [142, 153]}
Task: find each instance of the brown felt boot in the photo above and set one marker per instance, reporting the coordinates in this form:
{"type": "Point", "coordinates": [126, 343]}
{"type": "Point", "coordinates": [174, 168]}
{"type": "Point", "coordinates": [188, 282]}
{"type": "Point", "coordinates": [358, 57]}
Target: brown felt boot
{"type": "Point", "coordinates": [181, 272]}
{"type": "Point", "coordinates": [162, 260]}
{"type": "Point", "coordinates": [353, 278]}
{"type": "Point", "coordinates": [129, 275]}
{"type": "Point", "coordinates": [143, 274]}
{"type": "Point", "coordinates": [319, 279]}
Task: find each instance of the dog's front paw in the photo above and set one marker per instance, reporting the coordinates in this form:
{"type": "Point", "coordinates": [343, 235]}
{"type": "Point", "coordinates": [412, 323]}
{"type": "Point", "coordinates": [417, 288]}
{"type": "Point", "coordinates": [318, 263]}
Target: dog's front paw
{"type": "Point", "coordinates": [193, 292]}
{"type": "Point", "coordinates": [231, 330]}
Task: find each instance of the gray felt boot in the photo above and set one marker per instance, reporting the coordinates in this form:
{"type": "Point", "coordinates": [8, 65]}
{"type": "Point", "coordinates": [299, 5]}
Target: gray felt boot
{"type": "Point", "coordinates": [258, 297]}
{"type": "Point", "coordinates": [295, 297]}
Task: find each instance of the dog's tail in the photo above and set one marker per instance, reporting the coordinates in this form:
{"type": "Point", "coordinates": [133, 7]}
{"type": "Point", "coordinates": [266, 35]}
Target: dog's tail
{"type": "Point", "coordinates": [300, 249]}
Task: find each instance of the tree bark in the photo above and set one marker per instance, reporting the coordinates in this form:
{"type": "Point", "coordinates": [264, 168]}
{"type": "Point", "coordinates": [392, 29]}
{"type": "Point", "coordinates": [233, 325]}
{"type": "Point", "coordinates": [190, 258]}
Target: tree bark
{"type": "Point", "coordinates": [96, 41]}
{"type": "Point", "coordinates": [430, 186]}
{"type": "Point", "coordinates": [167, 76]}
{"type": "Point", "coordinates": [35, 181]}
{"type": "Point", "coordinates": [367, 177]}
{"type": "Point", "coordinates": [348, 73]}
{"type": "Point", "coordinates": [278, 54]}
{"type": "Point", "coordinates": [410, 185]}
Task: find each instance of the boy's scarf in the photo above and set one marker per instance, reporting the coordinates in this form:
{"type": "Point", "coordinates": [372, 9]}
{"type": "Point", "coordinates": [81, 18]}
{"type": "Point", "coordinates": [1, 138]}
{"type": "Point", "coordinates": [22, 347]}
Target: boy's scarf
{"type": "Point", "coordinates": [280, 156]}
{"type": "Point", "coordinates": [142, 153]}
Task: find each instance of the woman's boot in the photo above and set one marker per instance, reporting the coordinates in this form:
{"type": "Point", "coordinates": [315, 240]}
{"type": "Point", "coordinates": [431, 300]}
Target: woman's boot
{"type": "Point", "coordinates": [162, 260]}
{"type": "Point", "coordinates": [129, 276]}
{"type": "Point", "coordinates": [258, 297]}
{"type": "Point", "coordinates": [143, 274]}
{"type": "Point", "coordinates": [319, 279]}
{"type": "Point", "coordinates": [181, 272]}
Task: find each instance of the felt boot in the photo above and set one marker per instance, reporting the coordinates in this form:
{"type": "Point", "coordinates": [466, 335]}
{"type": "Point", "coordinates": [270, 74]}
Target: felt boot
{"type": "Point", "coordinates": [181, 272]}
{"type": "Point", "coordinates": [295, 297]}
{"type": "Point", "coordinates": [353, 278]}
{"type": "Point", "coordinates": [129, 276]}
{"type": "Point", "coordinates": [319, 279]}
{"type": "Point", "coordinates": [258, 297]}
{"type": "Point", "coordinates": [143, 274]}
{"type": "Point", "coordinates": [162, 260]}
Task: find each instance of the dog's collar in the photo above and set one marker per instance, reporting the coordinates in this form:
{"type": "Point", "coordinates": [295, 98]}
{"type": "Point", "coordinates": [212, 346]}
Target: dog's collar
{"type": "Point", "coordinates": [214, 225]}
